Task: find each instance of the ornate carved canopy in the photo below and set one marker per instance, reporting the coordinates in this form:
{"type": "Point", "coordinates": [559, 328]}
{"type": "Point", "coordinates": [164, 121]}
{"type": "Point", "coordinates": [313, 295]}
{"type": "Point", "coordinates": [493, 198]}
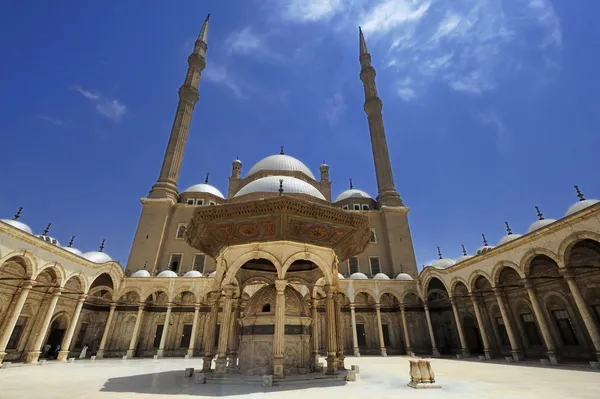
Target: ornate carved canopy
{"type": "Point", "coordinates": [214, 228]}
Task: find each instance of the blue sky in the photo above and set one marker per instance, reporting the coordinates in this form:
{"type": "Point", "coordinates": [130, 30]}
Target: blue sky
{"type": "Point", "coordinates": [490, 106]}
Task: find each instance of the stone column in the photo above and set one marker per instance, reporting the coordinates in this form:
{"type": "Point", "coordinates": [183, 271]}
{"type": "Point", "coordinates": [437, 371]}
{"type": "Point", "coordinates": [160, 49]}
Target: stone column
{"type": "Point", "coordinates": [279, 335]}
{"type": "Point", "coordinates": [331, 333]}
{"type": "Point", "coordinates": [232, 346]}
{"type": "Point", "coordinates": [66, 342]}
{"type": "Point", "coordinates": [209, 333]}
{"type": "Point", "coordinates": [33, 356]}
{"type": "Point", "coordinates": [464, 349]}
{"type": "Point", "coordinates": [434, 350]}
{"type": "Point", "coordinates": [583, 310]}
{"type": "Point", "coordinates": [512, 337]}
{"type": "Point", "coordinates": [165, 331]}
{"type": "Point", "coordinates": [14, 317]}
{"type": "Point", "coordinates": [354, 334]}
{"type": "Point", "coordinates": [339, 322]}
{"type": "Point", "coordinates": [190, 351]}
{"type": "Point", "coordinates": [136, 330]}
{"type": "Point", "coordinates": [315, 331]}
{"type": "Point", "coordinates": [100, 351]}
{"type": "Point", "coordinates": [380, 329]}
{"type": "Point", "coordinates": [405, 328]}
{"type": "Point", "coordinates": [482, 330]}
{"type": "Point", "coordinates": [539, 315]}
{"type": "Point", "coordinates": [221, 361]}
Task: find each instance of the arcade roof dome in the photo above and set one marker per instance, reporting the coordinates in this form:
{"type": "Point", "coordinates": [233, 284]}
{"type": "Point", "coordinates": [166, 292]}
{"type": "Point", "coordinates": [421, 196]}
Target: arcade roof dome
{"type": "Point", "coordinates": [404, 277]}
{"type": "Point", "coordinates": [581, 205]}
{"type": "Point", "coordinates": [443, 263]}
{"type": "Point", "coordinates": [380, 276]}
{"type": "Point", "coordinates": [167, 273]}
{"type": "Point", "coordinates": [74, 251]}
{"type": "Point", "coordinates": [352, 193]}
{"type": "Point", "coordinates": [204, 188]}
{"type": "Point", "coordinates": [97, 257]}
{"type": "Point", "coordinates": [281, 162]}
{"type": "Point", "coordinates": [141, 273]}
{"type": "Point", "coordinates": [358, 276]}
{"type": "Point", "coordinates": [270, 184]}
{"type": "Point", "coordinates": [508, 238]}
{"type": "Point", "coordinates": [18, 225]}
{"type": "Point", "coordinates": [538, 224]}
{"type": "Point", "coordinates": [193, 273]}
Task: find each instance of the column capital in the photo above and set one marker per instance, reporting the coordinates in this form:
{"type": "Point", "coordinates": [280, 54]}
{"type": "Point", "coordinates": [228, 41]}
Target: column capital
{"type": "Point", "coordinates": [113, 305]}
{"type": "Point", "coordinates": [212, 298]}
{"type": "Point", "coordinates": [141, 305]}
{"type": "Point", "coordinates": [196, 306]}
{"type": "Point", "coordinates": [377, 306]}
{"type": "Point", "coordinates": [315, 303]}
{"type": "Point", "coordinates": [452, 300]}
{"type": "Point", "coordinates": [229, 291]}
{"type": "Point", "coordinates": [82, 297]}
{"type": "Point", "coordinates": [498, 291]}
{"type": "Point", "coordinates": [57, 291]}
{"type": "Point", "coordinates": [352, 305]}
{"type": "Point", "coordinates": [27, 285]}
{"type": "Point", "coordinates": [280, 285]}
{"type": "Point", "coordinates": [402, 306]}
{"type": "Point", "coordinates": [527, 283]}
{"type": "Point", "coordinates": [567, 274]}
{"type": "Point", "coordinates": [169, 305]}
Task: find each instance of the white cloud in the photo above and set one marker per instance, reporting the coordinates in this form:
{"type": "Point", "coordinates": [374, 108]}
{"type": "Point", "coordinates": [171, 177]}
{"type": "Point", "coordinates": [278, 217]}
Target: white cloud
{"type": "Point", "coordinates": [107, 107]}
{"type": "Point", "coordinates": [247, 42]}
{"type": "Point", "coordinates": [51, 120]}
{"type": "Point", "coordinates": [312, 10]}
{"type": "Point", "coordinates": [219, 75]}
{"type": "Point", "coordinates": [493, 121]}
{"type": "Point", "coordinates": [335, 106]}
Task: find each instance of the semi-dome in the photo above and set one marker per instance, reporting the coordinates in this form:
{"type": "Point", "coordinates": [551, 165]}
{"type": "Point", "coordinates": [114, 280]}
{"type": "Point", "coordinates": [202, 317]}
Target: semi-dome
{"type": "Point", "coordinates": [380, 276]}
{"type": "Point", "coordinates": [404, 277]}
{"type": "Point", "coordinates": [341, 276]}
{"type": "Point", "coordinates": [270, 184]}
{"type": "Point", "coordinates": [443, 263]}
{"type": "Point", "coordinates": [18, 225]}
{"type": "Point", "coordinates": [581, 205]}
{"type": "Point", "coordinates": [281, 162]}
{"type": "Point", "coordinates": [141, 273]}
{"type": "Point", "coordinates": [352, 193]}
{"type": "Point", "coordinates": [358, 276]}
{"type": "Point", "coordinates": [97, 257]}
{"type": "Point", "coordinates": [193, 273]}
{"type": "Point", "coordinates": [167, 273]}
{"type": "Point", "coordinates": [73, 251]}
{"type": "Point", "coordinates": [204, 188]}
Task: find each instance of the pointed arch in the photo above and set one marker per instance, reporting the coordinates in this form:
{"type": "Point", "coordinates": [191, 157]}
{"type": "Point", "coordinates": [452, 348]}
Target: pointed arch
{"type": "Point", "coordinates": [565, 246]}
{"type": "Point", "coordinates": [454, 283]}
{"type": "Point", "coordinates": [498, 267]}
{"type": "Point", "coordinates": [80, 280]}
{"type": "Point", "coordinates": [58, 270]}
{"type": "Point", "coordinates": [237, 264]}
{"type": "Point", "coordinates": [525, 262]}
{"type": "Point", "coordinates": [473, 278]}
{"type": "Point", "coordinates": [24, 258]}
{"type": "Point", "coordinates": [310, 256]}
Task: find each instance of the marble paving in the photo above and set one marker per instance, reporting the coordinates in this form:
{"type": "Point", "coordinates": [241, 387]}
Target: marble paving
{"type": "Point", "coordinates": [379, 377]}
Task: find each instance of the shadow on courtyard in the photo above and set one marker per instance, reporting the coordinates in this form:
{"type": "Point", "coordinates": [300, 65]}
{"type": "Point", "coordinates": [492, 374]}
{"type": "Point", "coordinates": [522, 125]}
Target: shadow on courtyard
{"type": "Point", "coordinates": [565, 365]}
{"type": "Point", "coordinates": [174, 383]}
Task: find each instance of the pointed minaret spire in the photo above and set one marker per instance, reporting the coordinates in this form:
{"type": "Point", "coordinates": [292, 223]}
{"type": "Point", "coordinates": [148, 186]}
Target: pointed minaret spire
{"type": "Point", "coordinates": [47, 229]}
{"type": "Point", "coordinates": [71, 242]}
{"type": "Point", "coordinates": [464, 250]}
{"type": "Point", "coordinates": [102, 244]}
{"type": "Point", "coordinates": [166, 186]}
{"type": "Point", "coordinates": [351, 185]}
{"type": "Point", "coordinates": [539, 213]}
{"type": "Point", "coordinates": [440, 253]}
{"type": "Point", "coordinates": [18, 214]}
{"type": "Point", "coordinates": [386, 190]}
{"type": "Point", "coordinates": [280, 187]}
{"type": "Point", "coordinates": [579, 193]}
{"type": "Point", "coordinates": [508, 230]}
{"type": "Point", "coordinates": [485, 243]}
{"type": "Point", "coordinates": [206, 178]}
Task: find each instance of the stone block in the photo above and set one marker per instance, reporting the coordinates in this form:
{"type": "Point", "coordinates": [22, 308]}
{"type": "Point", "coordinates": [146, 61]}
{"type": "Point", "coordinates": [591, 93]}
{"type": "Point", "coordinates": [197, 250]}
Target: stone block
{"type": "Point", "coordinates": [267, 381]}
{"type": "Point", "coordinates": [355, 368]}
{"type": "Point", "coordinates": [199, 378]}
{"type": "Point", "coordinates": [545, 362]}
{"type": "Point", "coordinates": [482, 357]}
{"type": "Point", "coordinates": [93, 358]}
{"type": "Point", "coordinates": [189, 372]}
{"type": "Point", "coordinates": [71, 360]}
{"type": "Point", "coordinates": [155, 357]}
{"type": "Point", "coordinates": [595, 365]}
{"type": "Point", "coordinates": [186, 357]}
{"type": "Point", "coordinates": [421, 374]}
{"type": "Point", "coordinates": [124, 357]}
{"type": "Point", "coordinates": [351, 376]}
{"type": "Point", "coordinates": [5, 365]}
{"type": "Point", "coordinates": [509, 359]}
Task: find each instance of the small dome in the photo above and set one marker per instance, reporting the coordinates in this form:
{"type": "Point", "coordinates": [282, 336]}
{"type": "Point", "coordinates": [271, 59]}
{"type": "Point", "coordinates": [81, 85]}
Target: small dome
{"type": "Point", "coordinates": [484, 249]}
{"type": "Point", "coordinates": [270, 184]}
{"type": "Point", "coordinates": [352, 193]}
{"type": "Point", "coordinates": [443, 263]}
{"type": "Point", "coordinates": [358, 276]}
{"type": "Point", "coordinates": [380, 276]}
{"type": "Point", "coordinates": [73, 251]}
{"type": "Point", "coordinates": [508, 238]}
{"type": "Point", "coordinates": [404, 277]}
{"type": "Point", "coordinates": [281, 162]}
{"type": "Point", "coordinates": [204, 188]}
{"type": "Point", "coordinates": [97, 257]}
{"type": "Point", "coordinates": [167, 273]}
{"type": "Point", "coordinates": [50, 240]}
{"type": "Point", "coordinates": [213, 274]}
{"type": "Point", "coordinates": [581, 205]}
{"type": "Point", "coordinates": [538, 224]}
{"type": "Point", "coordinates": [341, 276]}
{"type": "Point", "coordinates": [237, 161]}
{"type": "Point", "coordinates": [18, 225]}
{"type": "Point", "coordinates": [193, 273]}
{"type": "Point", "coordinates": [141, 273]}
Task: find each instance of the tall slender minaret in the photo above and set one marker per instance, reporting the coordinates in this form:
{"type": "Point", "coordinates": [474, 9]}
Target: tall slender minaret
{"type": "Point", "coordinates": [166, 186]}
{"type": "Point", "coordinates": [387, 194]}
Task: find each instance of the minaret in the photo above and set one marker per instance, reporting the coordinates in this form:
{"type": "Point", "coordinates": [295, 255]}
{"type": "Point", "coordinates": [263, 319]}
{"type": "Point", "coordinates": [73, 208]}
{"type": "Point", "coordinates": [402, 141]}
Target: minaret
{"type": "Point", "coordinates": [387, 194]}
{"type": "Point", "coordinates": [166, 186]}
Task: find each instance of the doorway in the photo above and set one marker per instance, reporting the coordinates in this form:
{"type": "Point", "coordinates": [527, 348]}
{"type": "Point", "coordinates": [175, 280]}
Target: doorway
{"type": "Point", "coordinates": [360, 335]}
{"type": "Point", "coordinates": [57, 332]}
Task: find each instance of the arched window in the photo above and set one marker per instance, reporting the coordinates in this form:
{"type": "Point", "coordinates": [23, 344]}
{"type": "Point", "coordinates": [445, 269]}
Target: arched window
{"type": "Point", "coordinates": [266, 308]}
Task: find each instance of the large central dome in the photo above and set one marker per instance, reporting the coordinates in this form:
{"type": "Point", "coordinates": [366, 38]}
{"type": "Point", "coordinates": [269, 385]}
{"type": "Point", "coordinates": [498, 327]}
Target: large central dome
{"type": "Point", "coordinates": [270, 184]}
{"type": "Point", "coordinates": [281, 162]}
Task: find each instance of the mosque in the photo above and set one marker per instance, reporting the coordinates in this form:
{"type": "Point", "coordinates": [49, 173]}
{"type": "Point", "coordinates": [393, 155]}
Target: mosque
{"type": "Point", "coordinates": [278, 272]}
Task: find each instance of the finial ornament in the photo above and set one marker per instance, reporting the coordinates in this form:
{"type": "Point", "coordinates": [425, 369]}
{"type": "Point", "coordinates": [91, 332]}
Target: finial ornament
{"type": "Point", "coordinates": [280, 187]}
{"type": "Point", "coordinates": [281, 151]}
{"type": "Point", "coordinates": [71, 242]}
{"type": "Point", "coordinates": [439, 252]}
{"type": "Point", "coordinates": [102, 244]}
{"type": "Point", "coordinates": [145, 264]}
{"type": "Point", "coordinates": [351, 185]}
{"type": "Point", "coordinates": [579, 193]}
{"type": "Point", "coordinates": [18, 214]}
{"type": "Point", "coordinates": [47, 229]}
{"type": "Point", "coordinates": [508, 230]}
{"type": "Point", "coordinates": [485, 243]}
{"type": "Point", "coordinates": [539, 213]}
{"type": "Point", "coordinates": [206, 178]}
{"type": "Point", "coordinates": [464, 250]}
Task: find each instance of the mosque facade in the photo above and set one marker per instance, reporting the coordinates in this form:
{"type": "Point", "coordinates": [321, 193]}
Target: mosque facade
{"type": "Point", "coordinates": [277, 272]}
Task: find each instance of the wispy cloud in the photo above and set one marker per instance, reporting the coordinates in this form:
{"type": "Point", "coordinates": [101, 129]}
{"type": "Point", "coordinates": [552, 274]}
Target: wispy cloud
{"type": "Point", "coordinates": [108, 107]}
{"type": "Point", "coordinates": [334, 109]}
{"type": "Point", "coordinates": [249, 43]}
{"type": "Point", "coordinates": [311, 10]}
{"type": "Point", "coordinates": [220, 76]}
{"type": "Point", "coordinates": [494, 122]}
{"type": "Point", "coordinates": [54, 121]}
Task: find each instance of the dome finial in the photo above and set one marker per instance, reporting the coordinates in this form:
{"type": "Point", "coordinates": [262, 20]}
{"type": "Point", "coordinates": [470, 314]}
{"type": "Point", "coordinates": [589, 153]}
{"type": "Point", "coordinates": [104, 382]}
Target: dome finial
{"type": "Point", "coordinates": [71, 242]}
{"type": "Point", "coordinates": [281, 151]}
{"type": "Point", "coordinates": [539, 213]}
{"type": "Point", "coordinates": [18, 214]}
{"type": "Point", "coordinates": [579, 193]}
{"type": "Point", "coordinates": [102, 244]}
{"type": "Point", "coordinates": [47, 229]}
{"type": "Point", "coordinates": [145, 264]}
{"type": "Point", "coordinates": [280, 187]}
{"type": "Point", "coordinates": [351, 186]}
{"type": "Point", "coordinates": [508, 230]}
{"type": "Point", "coordinates": [464, 250]}
{"type": "Point", "coordinates": [206, 178]}
{"type": "Point", "coordinates": [485, 243]}
{"type": "Point", "coordinates": [440, 252]}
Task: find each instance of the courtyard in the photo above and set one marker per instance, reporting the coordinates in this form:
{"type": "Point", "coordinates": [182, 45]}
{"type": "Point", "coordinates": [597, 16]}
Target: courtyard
{"type": "Point", "coordinates": [379, 377]}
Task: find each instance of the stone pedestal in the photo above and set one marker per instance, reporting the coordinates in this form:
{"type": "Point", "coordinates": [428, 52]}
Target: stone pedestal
{"type": "Point", "coordinates": [221, 365]}
{"type": "Point", "coordinates": [351, 376]}
{"type": "Point", "coordinates": [5, 365]}
{"type": "Point", "coordinates": [189, 372]}
{"type": "Point", "coordinates": [278, 366]}
{"type": "Point", "coordinates": [199, 378]}
{"type": "Point", "coordinates": [421, 374]}
{"type": "Point", "coordinates": [355, 368]}
{"type": "Point", "coordinates": [267, 380]}
{"type": "Point", "coordinates": [32, 357]}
